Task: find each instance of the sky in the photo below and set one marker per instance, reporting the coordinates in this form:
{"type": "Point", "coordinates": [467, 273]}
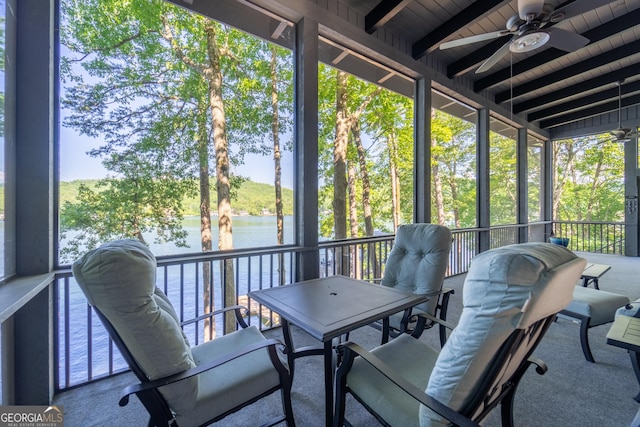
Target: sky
{"type": "Point", "coordinates": [76, 164]}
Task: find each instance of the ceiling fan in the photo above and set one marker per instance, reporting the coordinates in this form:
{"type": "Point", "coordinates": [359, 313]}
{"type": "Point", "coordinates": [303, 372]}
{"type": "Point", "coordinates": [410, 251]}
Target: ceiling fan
{"type": "Point", "coordinates": [532, 28]}
{"type": "Point", "coordinates": [621, 134]}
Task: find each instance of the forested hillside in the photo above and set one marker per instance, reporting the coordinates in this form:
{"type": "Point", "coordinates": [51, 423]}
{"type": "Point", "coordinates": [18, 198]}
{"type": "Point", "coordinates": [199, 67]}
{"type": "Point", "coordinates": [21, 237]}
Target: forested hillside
{"type": "Point", "coordinates": [251, 197]}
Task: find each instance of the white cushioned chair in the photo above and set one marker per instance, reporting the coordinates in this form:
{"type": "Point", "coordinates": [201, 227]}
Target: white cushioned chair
{"type": "Point", "coordinates": [179, 385]}
{"type": "Point", "coordinates": [418, 264]}
{"type": "Point", "coordinates": [511, 295]}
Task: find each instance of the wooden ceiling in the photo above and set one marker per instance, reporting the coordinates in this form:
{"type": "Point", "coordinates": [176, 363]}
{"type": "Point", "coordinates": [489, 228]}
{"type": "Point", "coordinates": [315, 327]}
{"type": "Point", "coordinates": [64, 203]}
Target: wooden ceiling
{"type": "Point", "coordinates": [548, 86]}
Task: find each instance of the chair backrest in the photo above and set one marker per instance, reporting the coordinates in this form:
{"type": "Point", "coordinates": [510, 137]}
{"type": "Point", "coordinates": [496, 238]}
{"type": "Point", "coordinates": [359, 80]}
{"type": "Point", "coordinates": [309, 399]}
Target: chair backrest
{"type": "Point", "coordinates": [418, 261]}
{"type": "Point", "coordinates": [118, 279]}
{"type": "Point", "coordinates": [510, 297]}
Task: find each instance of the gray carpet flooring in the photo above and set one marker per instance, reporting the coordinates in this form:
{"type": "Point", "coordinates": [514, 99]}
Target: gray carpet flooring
{"type": "Point", "coordinates": [573, 392]}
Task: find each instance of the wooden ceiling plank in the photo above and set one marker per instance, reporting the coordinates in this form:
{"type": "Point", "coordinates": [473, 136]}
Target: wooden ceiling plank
{"type": "Point", "coordinates": [474, 11]}
{"type": "Point", "coordinates": [588, 112]}
{"type": "Point", "coordinates": [382, 13]}
{"type": "Point", "coordinates": [583, 102]}
{"type": "Point", "coordinates": [584, 86]}
{"type": "Point", "coordinates": [571, 71]}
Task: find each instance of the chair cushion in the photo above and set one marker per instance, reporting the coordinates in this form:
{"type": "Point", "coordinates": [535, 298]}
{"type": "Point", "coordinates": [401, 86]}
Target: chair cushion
{"type": "Point", "coordinates": [119, 279]}
{"type": "Point", "coordinates": [506, 288]}
{"type": "Point", "coordinates": [413, 360]}
{"type": "Point", "coordinates": [223, 388]}
{"type": "Point", "coordinates": [418, 261]}
{"type": "Point", "coordinates": [599, 305]}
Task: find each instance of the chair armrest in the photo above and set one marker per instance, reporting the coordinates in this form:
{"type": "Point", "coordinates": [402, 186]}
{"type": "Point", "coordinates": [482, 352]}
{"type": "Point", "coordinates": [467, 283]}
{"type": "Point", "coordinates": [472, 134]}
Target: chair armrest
{"type": "Point", "coordinates": [447, 291]}
{"type": "Point", "coordinates": [238, 311]}
{"type": "Point", "coordinates": [137, 388]}
{"type": "Point", "coordinates": [437, 320]}
{"type": "Point", "coordinates": [351, 349]}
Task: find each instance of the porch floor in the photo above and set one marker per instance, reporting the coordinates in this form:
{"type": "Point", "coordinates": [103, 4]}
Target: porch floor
{"type": "Point", "coordinates": [572, 393]}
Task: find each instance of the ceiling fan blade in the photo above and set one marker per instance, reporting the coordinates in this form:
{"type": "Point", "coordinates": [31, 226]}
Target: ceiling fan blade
{"type": "Point", "coordinates": [493, 59]}
{"type": "Point", "coordinates": [529, 7]}
{"type": "Point", "coordinates": [472, 39]}
{"type": "Point", "coordinates": [565, 40]}
{"type": "Point", "coordinates": [578, 7]}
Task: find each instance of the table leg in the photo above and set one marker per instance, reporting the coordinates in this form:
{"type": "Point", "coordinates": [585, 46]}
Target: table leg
{"type": "Point", "coordinates": [286, 332]}
{"type": "Point", "coordinates": [328, 382]}
{"type": "Point", "coordinates": [329, 365]}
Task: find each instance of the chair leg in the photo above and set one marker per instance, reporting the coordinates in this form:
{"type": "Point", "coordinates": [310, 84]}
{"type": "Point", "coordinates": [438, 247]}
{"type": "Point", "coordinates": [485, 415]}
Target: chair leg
{"type": "Point", "coordinates": [340, 382]}
{"type": "Point", "coordinates": [584, 339]}
{"type": "Point", "coordinates": [286, 405]}
{"type": "Point", "coordinates": [443, 316]}
{"type": "Point", "coordinates": [506, 409]}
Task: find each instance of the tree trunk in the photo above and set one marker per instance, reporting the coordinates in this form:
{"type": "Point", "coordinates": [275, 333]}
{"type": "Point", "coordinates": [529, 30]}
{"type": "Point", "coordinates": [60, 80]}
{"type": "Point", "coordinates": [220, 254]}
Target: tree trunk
{"type": "Point", "coordinates": [353, 221]}
{"type": "Point", "coordinates": [372, 267]}
{"type": "Point", "coordinates": [454, 197]}
{"type": "Point", "coordinates": [340, 170]}
{"type": "Point", "coordinates": [559, 181]}
{"type": "Point", "coordinates": [275, 131]}
{"type": "Point", "coordinates": [395, 181]}
{"type": "Point", "coordinates": [340, 158]}
{"type": "Point", "coordinates": [594, 188]}
{"type": "Point", "coordinates": [205, 224]}
{"type": "Point", "coordinates": [364, 176]}
{"type": "Point", "coordinates": [437, 188]}
{"type": "Point", "coordinates": [223, 183]}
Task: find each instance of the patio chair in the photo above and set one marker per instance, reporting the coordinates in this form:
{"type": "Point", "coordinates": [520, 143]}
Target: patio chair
{"type": "Point", "coordinates": [179, 385]}
{"type": "Point", "coordinates": [510, 296]}
{"type": "Point", "coordinates": [418, 263]}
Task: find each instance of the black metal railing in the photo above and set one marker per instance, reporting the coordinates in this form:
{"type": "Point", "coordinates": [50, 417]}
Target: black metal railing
{"type": "Point", "coordinates": [195, 285]}
{"type": "Point", "coordinates": [596, 236]}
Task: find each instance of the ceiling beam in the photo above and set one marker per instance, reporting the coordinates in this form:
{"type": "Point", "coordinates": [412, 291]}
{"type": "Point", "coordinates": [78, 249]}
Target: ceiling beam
{"type": "Point", "coordinates": [577, 88]}
{"type": "Point", "coordinates": [586, 101]}
{"type": "Point", "coordinates": [594, 35]}
{"type": "Point", "coordinates": [382, 13]}
{"type": "Point", "coordinates": [588, 112]}
{"type": "Point", "coordinates": [470, 14]}
{"type": "Point", "coordinates": [571, 71]}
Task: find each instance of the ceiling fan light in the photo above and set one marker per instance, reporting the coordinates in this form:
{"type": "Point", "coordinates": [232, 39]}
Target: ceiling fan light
{"type": "Point", "coordinates": [529, 42]}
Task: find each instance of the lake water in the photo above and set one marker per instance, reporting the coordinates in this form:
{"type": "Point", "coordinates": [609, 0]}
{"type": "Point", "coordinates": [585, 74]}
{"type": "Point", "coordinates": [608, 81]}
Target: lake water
{"type": "Point", "coordinates": [248, 232]}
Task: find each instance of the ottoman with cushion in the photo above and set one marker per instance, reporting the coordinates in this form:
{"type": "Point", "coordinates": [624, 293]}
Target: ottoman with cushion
{"type": "Point", "coordinates": [592, 307]}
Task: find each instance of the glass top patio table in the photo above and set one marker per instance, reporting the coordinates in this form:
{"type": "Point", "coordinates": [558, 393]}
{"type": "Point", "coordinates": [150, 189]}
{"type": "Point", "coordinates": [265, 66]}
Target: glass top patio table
{"type": "Point", "coordinates": [328, 308]}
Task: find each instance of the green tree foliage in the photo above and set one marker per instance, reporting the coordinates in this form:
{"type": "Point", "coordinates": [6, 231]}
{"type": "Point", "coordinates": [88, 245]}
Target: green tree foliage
{"type": "Point", "coordinates": [148, 74]}
{"type": "Point", "coordinates": [453, 161]}
{"type": "Point", "coordinates": [503, 179]}
{"type": "Point", "coordinates": [588, 179]}
{"type": "Point", "coordinates": [384, 124]}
